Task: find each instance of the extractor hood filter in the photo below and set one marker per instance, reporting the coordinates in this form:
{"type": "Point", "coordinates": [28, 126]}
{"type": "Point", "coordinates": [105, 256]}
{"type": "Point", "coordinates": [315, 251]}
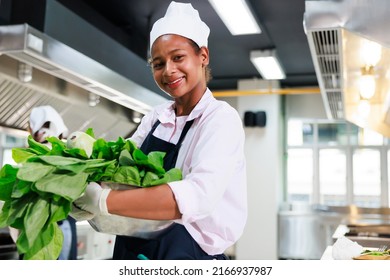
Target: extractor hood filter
{"type": "Point", "coordinates": [34, 48]}
{"type": "Point", "coordinates": [325, 46]}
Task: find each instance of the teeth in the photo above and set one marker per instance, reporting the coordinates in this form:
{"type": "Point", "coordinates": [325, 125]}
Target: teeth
{"type": "Point", "coordinates": [175, 81]}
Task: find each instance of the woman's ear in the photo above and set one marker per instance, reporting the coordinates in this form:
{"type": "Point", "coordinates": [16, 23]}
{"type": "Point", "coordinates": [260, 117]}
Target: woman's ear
{"type": "Point", "coordinates": [204, 54]}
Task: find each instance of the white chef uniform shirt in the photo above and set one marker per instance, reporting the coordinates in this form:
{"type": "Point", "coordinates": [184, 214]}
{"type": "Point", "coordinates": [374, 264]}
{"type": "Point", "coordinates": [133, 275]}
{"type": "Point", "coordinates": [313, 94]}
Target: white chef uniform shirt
{"type": "Point", "coordinates": [212, 196]}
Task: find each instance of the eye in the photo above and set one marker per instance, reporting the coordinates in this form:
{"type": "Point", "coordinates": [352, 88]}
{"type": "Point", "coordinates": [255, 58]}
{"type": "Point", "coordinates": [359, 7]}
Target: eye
{"type": "Point", "coordinates": [178, 57]}
{"type": "Point", "coordinates": [156, 65]}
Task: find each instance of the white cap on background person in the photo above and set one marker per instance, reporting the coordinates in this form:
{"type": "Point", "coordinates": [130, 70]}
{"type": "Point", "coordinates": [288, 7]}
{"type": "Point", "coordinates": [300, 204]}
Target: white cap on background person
{"type": "Point", "coordinates": [42, 114]}
{"type": "Point", "coordinates": [181, 19]}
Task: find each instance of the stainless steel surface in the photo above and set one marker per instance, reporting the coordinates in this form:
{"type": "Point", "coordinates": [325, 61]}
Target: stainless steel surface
{"type": "Point", "coordinates": [382, 248]}
{"type": "Point", "coordinates": [109, 120]}
{"type": "Point", "coordinates": [368, 232]}
{"type": "Point", "coordinates": [67, 80]}
{"type": "Point", "coordinates": [365, 235]}
{"type": "Point", "coordinates": [31, 46]}
{"type": "Point", "coordinates": [367, 18]}
{"type": "Point", "coordinates": [335, 31]}
{"type": "Point", "coordinates": [369, 227]}
{"type": "Point", "coordinates": [353, 210]}
{"type": "Point", "coordinates": [7, 246]}
{"type": "Point", "coordinates": [305, 232]}
{"type": "Point", "coordinates": [70, 65]}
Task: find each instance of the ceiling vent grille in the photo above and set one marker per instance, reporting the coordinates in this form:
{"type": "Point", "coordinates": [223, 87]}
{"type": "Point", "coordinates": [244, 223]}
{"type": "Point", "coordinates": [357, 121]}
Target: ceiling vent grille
{"type": "Point", "coordinates": [17, 101]}
{"type": "Point", "coordinates": [325, 46]}
{"type": "Point", "coordinates": [31, 46]}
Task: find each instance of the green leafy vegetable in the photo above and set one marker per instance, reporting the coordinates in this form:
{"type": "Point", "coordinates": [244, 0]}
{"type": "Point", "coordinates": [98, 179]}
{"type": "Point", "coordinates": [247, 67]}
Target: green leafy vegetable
{"type": "Point", "coordinates": [376, 252]}
{"type": "Point", "coordinates": [39, 191]}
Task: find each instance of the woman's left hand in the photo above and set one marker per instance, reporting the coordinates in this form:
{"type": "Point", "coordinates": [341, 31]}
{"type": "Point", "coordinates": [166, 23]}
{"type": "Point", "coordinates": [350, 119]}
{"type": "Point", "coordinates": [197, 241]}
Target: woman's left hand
{"type": "Point", "coordinates": [94, 199]}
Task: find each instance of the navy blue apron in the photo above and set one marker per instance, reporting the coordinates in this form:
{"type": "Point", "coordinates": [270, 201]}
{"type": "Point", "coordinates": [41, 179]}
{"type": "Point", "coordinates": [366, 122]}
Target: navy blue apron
{"type": "Point", "coordinates": [174, 242]}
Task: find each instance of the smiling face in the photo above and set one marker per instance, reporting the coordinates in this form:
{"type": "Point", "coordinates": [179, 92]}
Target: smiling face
{"type": "Point", "coordinates": [179, 67]}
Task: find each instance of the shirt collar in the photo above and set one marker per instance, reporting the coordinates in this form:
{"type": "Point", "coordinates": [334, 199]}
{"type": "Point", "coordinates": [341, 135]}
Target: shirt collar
{"type": "Point", "coordinates": [166, 114]}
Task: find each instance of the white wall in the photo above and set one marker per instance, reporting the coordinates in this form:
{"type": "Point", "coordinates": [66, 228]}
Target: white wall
{"type": "Point", "coordinates": [263, 150]}
{"type": "Point", "coordinates": [305, 106]}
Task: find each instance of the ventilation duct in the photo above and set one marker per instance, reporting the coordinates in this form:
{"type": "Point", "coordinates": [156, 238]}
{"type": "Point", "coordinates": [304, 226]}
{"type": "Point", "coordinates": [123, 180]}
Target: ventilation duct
{"type": "Point", "coordinates": [337, 32]}
{"type": "Point", "coordinates": [326, 48]}
{"type": "Point", "coordinates": [40, 51]}
{"type": "Point", "coordinates": [88, 77]}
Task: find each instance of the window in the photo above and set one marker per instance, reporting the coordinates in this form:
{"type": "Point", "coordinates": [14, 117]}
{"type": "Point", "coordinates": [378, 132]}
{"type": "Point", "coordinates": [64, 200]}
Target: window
{"type": "Point", "coordinates": [337, 164]}
{"type": "Point", "coordinates": [7, 157]}
{"type": "Point", "coordinates": [300, 174]}
{"type": "Point", "coordinates": [333, 175]}
{"type": "Point", "coordinates": [7, 142]}
{"type": "Point", "coordinates": [366, 177]}
{"type": "Point", "coordinates": [332, 134]}
{"type": "Point", "coordinates": [299, 133]}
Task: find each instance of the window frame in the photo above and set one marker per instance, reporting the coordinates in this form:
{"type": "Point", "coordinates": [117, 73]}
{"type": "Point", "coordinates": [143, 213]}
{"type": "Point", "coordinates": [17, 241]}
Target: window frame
{"type": "Point", "coordinates": [348, 149]}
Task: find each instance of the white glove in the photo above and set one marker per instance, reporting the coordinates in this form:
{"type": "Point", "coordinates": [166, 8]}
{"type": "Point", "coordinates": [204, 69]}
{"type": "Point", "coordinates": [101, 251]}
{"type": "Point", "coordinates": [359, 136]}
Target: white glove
{"type": "Point", "coordinates": [79, 214]}
{"type": "Point", "coordinates": [94, 199]}
{"type": "Point", "coordinates": [14, 233]}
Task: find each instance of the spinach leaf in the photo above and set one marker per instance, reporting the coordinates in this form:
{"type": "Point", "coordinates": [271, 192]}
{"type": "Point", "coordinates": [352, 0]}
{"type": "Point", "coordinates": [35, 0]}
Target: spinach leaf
{"type": "Point", "coordinates": [68, 186]}
{"type": "Point", "coordinates": [125, 158]}
{"type": "Point", "coordinates": [39, 192]}
{"type": "Point", "coordinates": [40, 149]}
{"type": "Point", "coordinates": [149, 178]}
{"type": "Point", "coordinates": [76, 152]}
{"type": "Point", "coordinates": [33, 171]}
{"type": "Point", "coordinates": [48, 245]}
{"type": "Point", "coordinates": [57, 146]}
{"type": "Point", "coordinates": [35, 218]}
{"type": "Point", "coordinates": [127, 175]}
{"type": "Point", "coordinates": [59, 210]}
{"type": "Point", "coordinates": [171, 175]}
{"type": "Point", "coordinates": [21, 188]}
{"type": "Point", "coordinates": [151, 161]}
{"type": "Point", "coordinates": [15, 210]}
{"type": "Point", "coordinates": [59, 160]}
{"type": "Point", "coordinates": [90, 132]}
{"type": "Point", "coordinates": [6, 188]}
{"type": "Point", "coordinates": [20, 155]}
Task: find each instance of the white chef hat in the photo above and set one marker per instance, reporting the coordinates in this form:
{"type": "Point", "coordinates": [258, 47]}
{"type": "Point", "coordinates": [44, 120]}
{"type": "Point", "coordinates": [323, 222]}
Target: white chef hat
{"type": "Point", "coordinates": [40, 115]}
{"type": "Point", "coordinates": [181, 19]}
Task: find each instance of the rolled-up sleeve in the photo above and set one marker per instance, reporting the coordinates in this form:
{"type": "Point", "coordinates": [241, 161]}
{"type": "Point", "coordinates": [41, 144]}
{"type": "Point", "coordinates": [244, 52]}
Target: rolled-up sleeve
{"type": "Point", "coordinates": [210, 165]}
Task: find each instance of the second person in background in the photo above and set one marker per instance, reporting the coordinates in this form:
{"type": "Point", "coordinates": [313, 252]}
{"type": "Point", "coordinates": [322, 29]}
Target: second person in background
{"type": "Point", "coordinates": [45, 122]}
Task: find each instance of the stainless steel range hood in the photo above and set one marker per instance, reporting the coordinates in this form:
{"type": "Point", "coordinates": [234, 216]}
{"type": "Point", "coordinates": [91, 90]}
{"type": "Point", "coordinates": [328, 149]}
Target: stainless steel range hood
{"type": "Point", "coordinates": [90, 78]}
{"type": "Point", "coordinates": [34, 48]}
{"type": "Point", "coordinates": [337, 32]}
{"type": "Point", "coordinates": [67, 80]}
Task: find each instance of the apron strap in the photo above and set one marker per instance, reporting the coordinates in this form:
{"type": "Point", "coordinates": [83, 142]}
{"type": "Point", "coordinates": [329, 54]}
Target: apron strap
{"type": "Point", "coordinates": [184, 132]}
{"type": "Point", "coordinates": [154, 126]}
{"type": "Point", "coordinates": [187, 127]}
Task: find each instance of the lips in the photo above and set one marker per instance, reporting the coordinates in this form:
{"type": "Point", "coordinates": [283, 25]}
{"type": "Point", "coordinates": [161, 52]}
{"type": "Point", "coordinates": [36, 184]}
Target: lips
{"type": "Point", "coordinates": [175, 83]}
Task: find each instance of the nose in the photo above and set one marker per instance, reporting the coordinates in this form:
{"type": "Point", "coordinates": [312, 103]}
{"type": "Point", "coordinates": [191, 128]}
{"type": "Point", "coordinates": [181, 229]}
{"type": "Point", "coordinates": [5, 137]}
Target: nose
{"type": "Point", "coordinates": [169, 68]}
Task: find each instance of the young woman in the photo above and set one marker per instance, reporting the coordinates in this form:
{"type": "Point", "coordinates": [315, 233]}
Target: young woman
{"type": "Point", "coordinates": [200, 135]}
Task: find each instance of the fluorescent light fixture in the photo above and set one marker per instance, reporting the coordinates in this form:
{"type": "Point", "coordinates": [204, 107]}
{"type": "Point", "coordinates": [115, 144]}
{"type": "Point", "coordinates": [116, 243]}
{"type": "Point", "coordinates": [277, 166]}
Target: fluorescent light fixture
{"type": "Point", "coordinates": [237, 16]}
{"type": "Point", "coordinates": [267, 64]}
